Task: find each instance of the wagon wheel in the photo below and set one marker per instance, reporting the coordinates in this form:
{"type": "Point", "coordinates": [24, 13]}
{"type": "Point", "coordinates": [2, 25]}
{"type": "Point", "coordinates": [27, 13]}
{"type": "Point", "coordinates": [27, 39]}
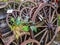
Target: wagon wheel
{"type": "Point", "coordinates": [30, 42]}
{"type": "Point", "coordinates": [23, 37]}
{"type": "Point", "coordinates": [25, 13]}
{"type": "Point", "coordinates": [45, 18]}
{"type": "Point", "coordinates": [12, 5]}
{"type": "Point", "coordinates": [12, 16]}
{"type": "Point", "coordinates": [3, 4]}
{"type": "Point", "coordinates": [27, 4]}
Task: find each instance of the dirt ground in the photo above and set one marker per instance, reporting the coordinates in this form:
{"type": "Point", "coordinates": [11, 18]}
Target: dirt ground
{"type": "Point", "coordinates": [57, 39]}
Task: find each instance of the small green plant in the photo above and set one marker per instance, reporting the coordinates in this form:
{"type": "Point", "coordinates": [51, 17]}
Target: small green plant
{"type": "Point", "coordinates": [17, 25]}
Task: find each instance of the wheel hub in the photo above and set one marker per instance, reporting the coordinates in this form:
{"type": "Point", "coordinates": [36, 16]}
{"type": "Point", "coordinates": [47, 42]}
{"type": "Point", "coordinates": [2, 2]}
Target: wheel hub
{"type": "Point", "coordinates": [49, 25]}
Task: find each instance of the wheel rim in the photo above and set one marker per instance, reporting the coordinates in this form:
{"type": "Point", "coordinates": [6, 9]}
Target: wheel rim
{"type": "Point", "coordinates": [46, 24]}
{"type": "Point", "coordinates": [31, 42]}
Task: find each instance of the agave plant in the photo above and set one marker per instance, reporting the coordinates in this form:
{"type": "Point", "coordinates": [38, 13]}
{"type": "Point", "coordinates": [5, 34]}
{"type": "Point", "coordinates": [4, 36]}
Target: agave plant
{"type": "Point", "coordinates": [20, 26]}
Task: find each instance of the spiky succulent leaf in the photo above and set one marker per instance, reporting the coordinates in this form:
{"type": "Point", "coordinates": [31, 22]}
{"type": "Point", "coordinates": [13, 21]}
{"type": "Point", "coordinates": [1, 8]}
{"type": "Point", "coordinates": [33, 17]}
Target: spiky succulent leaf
{"type": "Point", "coordinates": [33, 28]}
{"type": "Point", "coordinates": [12, 19]}
{"type": "Point", "coordinates": [25, 28]}
{"type": "Point", "coordinates": [28, 44]}
{"type": "Point", "coordinates": [18, 22]}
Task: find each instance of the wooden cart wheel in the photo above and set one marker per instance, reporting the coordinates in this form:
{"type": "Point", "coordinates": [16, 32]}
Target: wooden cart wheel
{"type": "Point", "coordinates": [14, 15]}
{"type": "Point", "coordinates": [12, 6]}
{"type": "Point", "coordinates": [25, 13]}
{"type": "Point", "coordinates": [30, 42]}
{"type": "Point", "coordinates": [3, 4]}
{"type": "Point", "coordinates": [27, 4]}
{"type": "Point", "coordinates": [45, 18]}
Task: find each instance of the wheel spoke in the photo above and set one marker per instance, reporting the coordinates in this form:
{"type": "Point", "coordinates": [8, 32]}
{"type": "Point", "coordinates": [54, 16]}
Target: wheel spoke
{"type": "Point", "coordinates": [42, 19]}
{"type": "Point", "coordinates": [43, 36]}
{"type": "Point", "coordinates": [32, 43]}
{"type": "Point", "coordinates": [10, 6]}
{"type": "Point", "coordinates": [21, 39]}
{"type": "Point", "coordinates": [14, 15]}
{"type": "Point", "coordinates": [49, 14]}
{"type": "Point", "coordinates": [52, 16]}
{"type": "Point", "coordinates": [25, 37]}
{"type": "Point", "coordinates": [14, 5]}
{"type": "Point", "coordinates": [23, 5]}
{"type": "Point", "coordinates": [46, 39]}
{"type": "Point", "coordinates": [45, 13]}
{"type": "Point", "coordinates": [37, 23]}
{"type": "Point", "coordinates": [40, 32]}
{"type": "Point", "coordinates": [54, 20]}
{"type": "Point", "coordinates": [14, 43]}
{"type": "Point", "coordinates": [24, 13]}
{"type": "Point", "coordinates": [50, 34]}
{"type": "Point", "coordinates": [40, 26]}
{"type": "Point", "coordinates": [26, 10]}
{"type": "Point", "coordinates": [53, 28]}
